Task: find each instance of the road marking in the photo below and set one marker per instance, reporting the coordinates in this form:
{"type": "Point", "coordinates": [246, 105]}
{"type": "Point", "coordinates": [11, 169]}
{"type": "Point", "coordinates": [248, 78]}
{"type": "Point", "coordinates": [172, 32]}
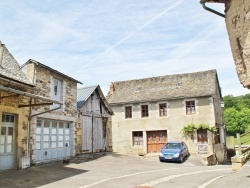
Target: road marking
{"type": "Point", "coordinates": [128, 175]}
{"type": "Point", "coordinates": [158, 181]}
{"type": "Point", "coordinates": [146, 184]}
{"type": "Point", "coordinates": [211, 181]}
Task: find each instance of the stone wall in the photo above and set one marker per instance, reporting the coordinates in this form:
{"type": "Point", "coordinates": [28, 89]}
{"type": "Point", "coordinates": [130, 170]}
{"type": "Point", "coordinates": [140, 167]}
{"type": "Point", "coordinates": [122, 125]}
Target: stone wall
{"type": "Point", "coordinates": [43, 87]}
{"type": "Point", "coordinates": [43, 80]}
{"type": "Point", "coordinates": [10, 105]}
{"type": "Point", "coordinates": [238, 27]}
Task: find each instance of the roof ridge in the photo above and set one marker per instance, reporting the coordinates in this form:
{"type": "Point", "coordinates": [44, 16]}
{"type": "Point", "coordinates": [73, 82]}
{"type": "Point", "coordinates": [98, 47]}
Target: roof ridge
{"type": "Point", "coordinates": [87, 87]}
{"type": "Point", "coordinates": [146, 78]}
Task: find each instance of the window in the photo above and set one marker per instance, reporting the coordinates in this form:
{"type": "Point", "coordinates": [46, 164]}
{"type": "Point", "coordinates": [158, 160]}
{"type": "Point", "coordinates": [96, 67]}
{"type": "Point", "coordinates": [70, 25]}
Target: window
{"type": "Point", "coordinates": [56, 91]}
{"type": "Point", "coordinates": [55, 87]}
{"type": "Point", "coordinates": [163, 109]}
{"type": "Point", "coordinates": [202, 135]}
{"type": "Point", "coordinates": [190, 107]}
{"type": "Point", "coordinates": [144, 110]}
{"type": "Point", "coordinates": [138, 138]}
{"type": "Point", "coordinates": [128, 112]}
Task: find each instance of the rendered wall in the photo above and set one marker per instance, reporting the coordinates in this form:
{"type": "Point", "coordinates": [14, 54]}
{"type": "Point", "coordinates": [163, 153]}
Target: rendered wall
{"type": "Point", "coordinates": [175, 120]}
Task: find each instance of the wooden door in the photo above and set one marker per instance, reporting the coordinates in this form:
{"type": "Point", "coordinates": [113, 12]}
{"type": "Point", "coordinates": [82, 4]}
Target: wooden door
{"type": "Point", "coordinates": [7, 142]}
{"type": "Point", "coordinates": [156, 140]}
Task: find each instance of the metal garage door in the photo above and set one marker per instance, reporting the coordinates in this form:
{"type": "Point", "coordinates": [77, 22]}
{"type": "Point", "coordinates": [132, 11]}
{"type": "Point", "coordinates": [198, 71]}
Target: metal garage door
{"type": "Point", "coordinates": [7, 142]}
{"type": "Point", "coordinates": [52, 140]}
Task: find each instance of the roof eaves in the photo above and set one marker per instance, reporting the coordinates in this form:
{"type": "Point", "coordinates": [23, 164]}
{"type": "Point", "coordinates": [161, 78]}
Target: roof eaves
{"type": "Point", "coordinates": [156, 100]}
{"type": "Point", "coordinates": [51, 69]}
{"type": "Point", "coordinates": [5, 78]}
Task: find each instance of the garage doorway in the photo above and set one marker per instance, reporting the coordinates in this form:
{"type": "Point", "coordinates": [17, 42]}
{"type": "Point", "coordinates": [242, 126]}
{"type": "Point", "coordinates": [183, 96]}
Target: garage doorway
{"type": "Point", "coordinates": [52, 140]}
{"type": "Point", "coordinates": [156, 140]}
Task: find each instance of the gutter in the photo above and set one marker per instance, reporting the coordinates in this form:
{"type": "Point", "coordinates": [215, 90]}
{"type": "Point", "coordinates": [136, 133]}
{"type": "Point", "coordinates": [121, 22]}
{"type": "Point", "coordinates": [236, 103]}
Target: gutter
{"type": "Point", "coordinates": [30, 95]}
{"type": "Point", "coordinates": [211, 10]}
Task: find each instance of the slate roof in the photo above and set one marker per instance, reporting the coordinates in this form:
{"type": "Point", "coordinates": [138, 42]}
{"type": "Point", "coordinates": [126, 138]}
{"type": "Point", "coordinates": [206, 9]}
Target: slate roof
{"type": "Point", "coordinates": [168, 87]}
{"type": "Point", "coordinates": [51, 69]}
{"type": "Point", "coordinates": [84, 93]}
{"type": "Point", "coordinates": [10, 69]}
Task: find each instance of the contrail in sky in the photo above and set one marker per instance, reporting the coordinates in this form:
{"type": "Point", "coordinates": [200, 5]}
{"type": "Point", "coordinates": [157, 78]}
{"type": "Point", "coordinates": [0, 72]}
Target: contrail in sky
{"type": "Point", "coordinates": [140, 28]}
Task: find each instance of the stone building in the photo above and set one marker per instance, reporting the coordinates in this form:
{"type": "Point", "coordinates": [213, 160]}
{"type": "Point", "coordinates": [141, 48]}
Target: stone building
{"type": "Point", "coordinates": [94, 128]}
{"type": "Point", "coordinates": [52, 127]}
{"type": "Point", "coordinates": [237, 18]}
{"type": "Point", "coordinates": [17, 95]}
{"type": "Point", "coordinates": [152, 111]}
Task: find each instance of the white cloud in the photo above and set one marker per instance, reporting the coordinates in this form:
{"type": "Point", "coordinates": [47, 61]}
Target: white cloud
{"type": "Point", "coordinates": [101, 41]}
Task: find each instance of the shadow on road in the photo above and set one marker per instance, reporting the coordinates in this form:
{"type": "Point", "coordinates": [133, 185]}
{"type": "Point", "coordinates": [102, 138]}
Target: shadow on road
{"type": "Point", "coordinates": [37, 175]}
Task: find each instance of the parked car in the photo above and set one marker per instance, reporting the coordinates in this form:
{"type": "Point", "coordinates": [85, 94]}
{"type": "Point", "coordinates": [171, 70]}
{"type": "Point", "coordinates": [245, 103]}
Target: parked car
{"type": "Point", "coordinates": [174, 151]}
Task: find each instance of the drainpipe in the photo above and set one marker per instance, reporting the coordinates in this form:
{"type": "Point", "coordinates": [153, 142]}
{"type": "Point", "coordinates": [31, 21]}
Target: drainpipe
{"type": "Point", "coordinates": [29, 123]}
{"type": "Point", "coordinates": [28, 131]}
{"type": "Point", "coordinates": [211, 10]}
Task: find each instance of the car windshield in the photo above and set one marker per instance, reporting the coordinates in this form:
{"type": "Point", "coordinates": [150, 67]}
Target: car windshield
{"type": "Point", "coordinates": [172, 146]}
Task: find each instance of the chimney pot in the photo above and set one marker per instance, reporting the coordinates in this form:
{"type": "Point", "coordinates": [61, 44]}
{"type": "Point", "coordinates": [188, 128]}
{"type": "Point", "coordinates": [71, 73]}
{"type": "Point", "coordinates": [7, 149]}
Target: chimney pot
{"type": "Point", "coordinates": [112, 88]}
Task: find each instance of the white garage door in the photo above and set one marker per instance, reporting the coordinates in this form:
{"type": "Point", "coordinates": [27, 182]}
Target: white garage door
{"type": "Point", "coordinates": [52, 140]}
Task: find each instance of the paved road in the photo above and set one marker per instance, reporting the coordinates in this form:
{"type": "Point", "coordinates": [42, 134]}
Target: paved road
{"type": "Point", "coordinates": [122, 171]}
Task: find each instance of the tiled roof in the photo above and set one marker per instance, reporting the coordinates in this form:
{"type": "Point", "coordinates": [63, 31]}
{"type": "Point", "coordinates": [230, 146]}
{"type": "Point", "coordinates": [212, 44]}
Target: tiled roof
{"type": "Point", "coordinates": [165, 87]}
{"type": "Point", "coordinates": [9, 68]}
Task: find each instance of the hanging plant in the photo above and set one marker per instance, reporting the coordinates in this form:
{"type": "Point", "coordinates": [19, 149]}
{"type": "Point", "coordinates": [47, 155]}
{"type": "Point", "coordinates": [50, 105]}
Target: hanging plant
{"type": "Point", "coordinates": [186, 130]}
{"type": "Point", "coordinates": [206, 126]}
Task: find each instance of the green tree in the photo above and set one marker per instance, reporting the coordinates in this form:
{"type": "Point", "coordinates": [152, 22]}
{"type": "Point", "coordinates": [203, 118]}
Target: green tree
{"type": "Point", "coordinates": [230, 102]}
{"type": "Point", "coordinates": [232, 121]}
{"type": "Point", "coordinates": [244, 115]}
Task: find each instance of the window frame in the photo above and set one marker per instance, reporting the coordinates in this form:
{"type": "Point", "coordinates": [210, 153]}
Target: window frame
{"type": "Point", "coordinates": [189, 104]}
{"type": "Point", "coordinates": [144, 111]}
{"type": "Point", "coordinates": [128, 112]}
{"type": "Point", "coordinates": [137, 136]}
{"type": "Point", "coordinates": [164, 112]}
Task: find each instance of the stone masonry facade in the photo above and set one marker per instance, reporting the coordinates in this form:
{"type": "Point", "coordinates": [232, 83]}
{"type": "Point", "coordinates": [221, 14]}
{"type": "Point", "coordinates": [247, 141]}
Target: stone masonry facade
{"type": "Point", "coordinates": [238, 27]}
{"type": "Point", "coordinates": [42, 77]}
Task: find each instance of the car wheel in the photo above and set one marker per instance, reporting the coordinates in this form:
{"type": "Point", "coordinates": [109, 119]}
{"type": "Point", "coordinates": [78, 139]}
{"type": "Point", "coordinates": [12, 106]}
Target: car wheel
{"type": "Point", "coordinates": [161, 160]}
{"type": "Point", "coordinates": [181, 159]}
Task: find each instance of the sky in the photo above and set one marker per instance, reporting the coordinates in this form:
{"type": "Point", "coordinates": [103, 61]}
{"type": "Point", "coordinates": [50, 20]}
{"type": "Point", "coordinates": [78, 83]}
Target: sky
{"type": "Point", "coordinates": [102, 41]}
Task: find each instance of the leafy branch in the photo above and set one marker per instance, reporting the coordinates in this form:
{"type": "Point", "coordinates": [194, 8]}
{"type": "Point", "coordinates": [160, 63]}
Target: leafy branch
{"type": "Point", "coordinates": [186, 130]}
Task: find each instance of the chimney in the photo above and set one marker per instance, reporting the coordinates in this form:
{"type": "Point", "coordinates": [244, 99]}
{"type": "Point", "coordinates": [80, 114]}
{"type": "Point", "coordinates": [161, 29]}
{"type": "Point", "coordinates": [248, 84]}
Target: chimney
{"type": "Point", "coordinates": [112, 88]}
